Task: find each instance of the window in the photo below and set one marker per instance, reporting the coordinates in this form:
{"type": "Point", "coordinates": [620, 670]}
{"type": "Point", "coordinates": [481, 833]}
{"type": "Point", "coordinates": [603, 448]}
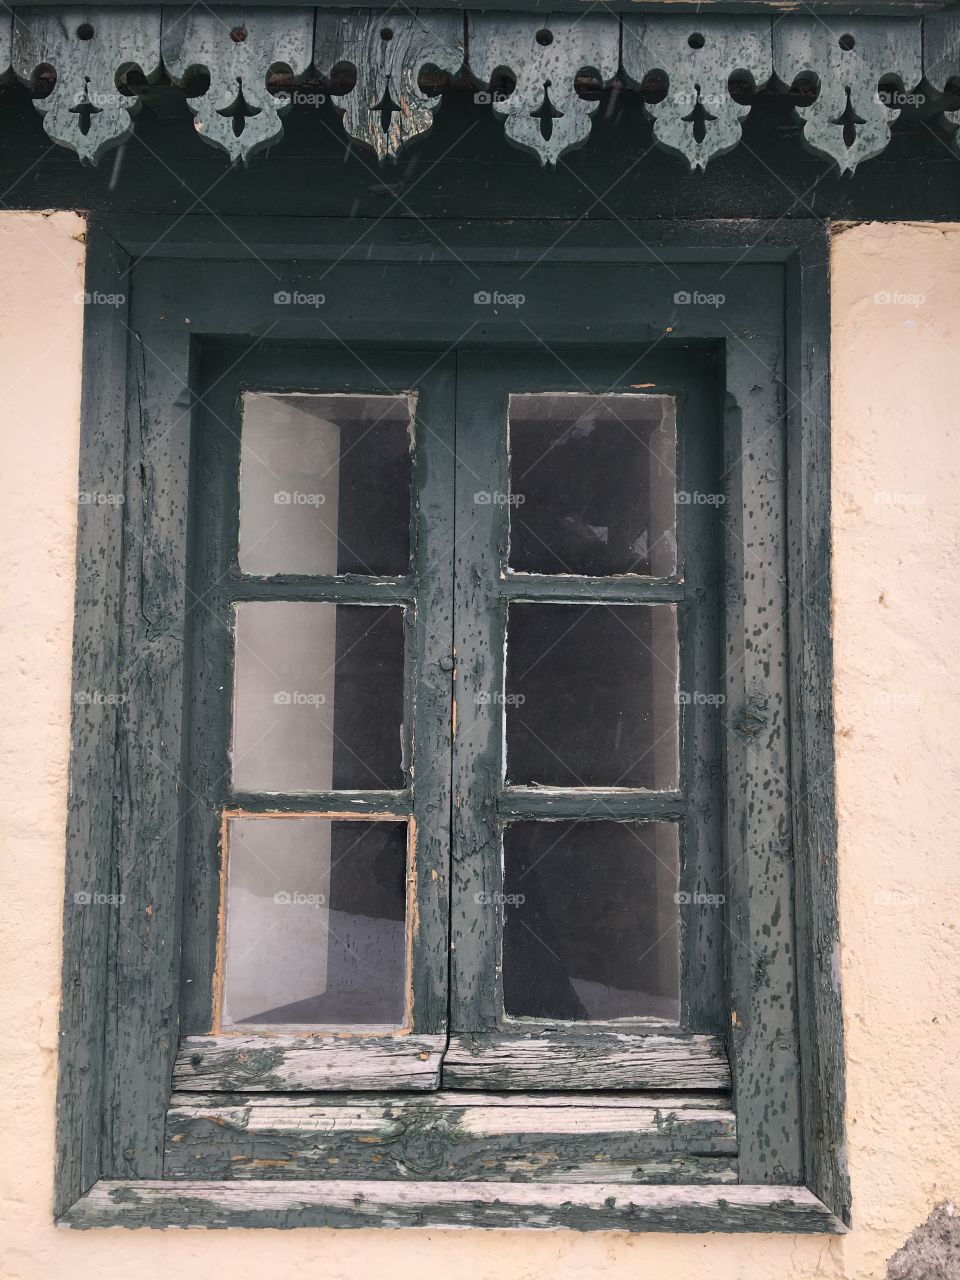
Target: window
{"type": "Point", "coordinates": [468, 687]}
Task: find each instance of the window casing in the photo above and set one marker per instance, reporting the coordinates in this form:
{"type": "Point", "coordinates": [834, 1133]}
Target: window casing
{"type": "Point", "coordinates": [749, 990]}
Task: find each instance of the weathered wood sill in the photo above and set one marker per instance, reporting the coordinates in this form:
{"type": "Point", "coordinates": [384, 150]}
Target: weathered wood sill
{"type": "Point", "coordinates": [537, 1206]}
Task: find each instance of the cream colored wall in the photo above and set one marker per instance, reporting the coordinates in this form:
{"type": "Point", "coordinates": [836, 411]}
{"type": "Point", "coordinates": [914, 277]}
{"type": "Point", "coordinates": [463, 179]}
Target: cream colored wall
{"type": "Point", "coordinates": [897, 623]}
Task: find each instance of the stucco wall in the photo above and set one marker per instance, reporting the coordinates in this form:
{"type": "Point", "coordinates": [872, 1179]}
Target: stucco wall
{"type": "Point", "coordinates": [897, 622]}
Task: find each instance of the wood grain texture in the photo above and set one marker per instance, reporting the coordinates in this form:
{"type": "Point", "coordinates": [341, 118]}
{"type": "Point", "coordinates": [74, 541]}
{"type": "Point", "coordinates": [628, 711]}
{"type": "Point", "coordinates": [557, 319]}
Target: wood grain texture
{"type": "Point", "coordinates": [90, 873]}
{"type": "Point", "coordinates": [216, 1064]}
{"type": "Point", "coordinates": [812, 743]}
{"type": "Point", "coordinates": [454, 1136]}
{"type": "Point", "coordinates": [537, 1206]}
{"type": "Point", "coordinates": [764, 1031]}
{"type": "Point", "coordinates": [586, 1059]}
{"type": "Point", "coordinates": [85, 110]}
{"type": "Point", "coordinates": [386, 108]}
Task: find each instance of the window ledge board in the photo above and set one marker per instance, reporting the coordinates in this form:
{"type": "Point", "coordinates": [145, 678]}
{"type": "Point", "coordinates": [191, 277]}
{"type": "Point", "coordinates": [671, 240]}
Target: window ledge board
{"type": "Point", "coordinates": [531, 1205]}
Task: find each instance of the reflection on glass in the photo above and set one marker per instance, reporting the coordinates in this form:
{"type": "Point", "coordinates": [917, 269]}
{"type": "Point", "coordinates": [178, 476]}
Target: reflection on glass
{"type": "Point", "coordinates": [315, 927]}
{"type": "Point", "coordinates": [593, 484]}
{"type": "Point", "coordinates": [325, 484]}
{"type": "Point", "coordinates": [318, 697]}
{"type": "Point", "coordinates": [591, 695]}
{"type": "Point", "coordinates": [591, 921]}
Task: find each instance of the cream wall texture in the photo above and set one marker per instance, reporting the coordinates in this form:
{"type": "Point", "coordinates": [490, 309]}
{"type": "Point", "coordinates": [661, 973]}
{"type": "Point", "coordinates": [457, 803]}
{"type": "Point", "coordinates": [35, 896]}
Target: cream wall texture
{"type": "Point", "coordinates": [896, 375]}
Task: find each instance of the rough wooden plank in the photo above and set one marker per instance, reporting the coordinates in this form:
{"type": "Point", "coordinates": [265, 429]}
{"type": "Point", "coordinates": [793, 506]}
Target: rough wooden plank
{"type": "Point", "coordinates": [538, 1206]}
{"type": "Point", "coordinates": [589, 803]}
{"type": "Point", "coordinates": [812, 744]}
{"type": "Point", "coordinates": [143, 996]}
{"type": "Point", "coordinates": [452, 1136]}
{"type": "Point", "coordinates": [225, 1063]}
{"type": "Point", "coordinates": [586, 1059]}
{"type": "Point", "coordinates": [622, 588]}
{"type": "Point", "coordinates": [90, 889]}
{"type": "Point", "coordinates": [764, 1032]}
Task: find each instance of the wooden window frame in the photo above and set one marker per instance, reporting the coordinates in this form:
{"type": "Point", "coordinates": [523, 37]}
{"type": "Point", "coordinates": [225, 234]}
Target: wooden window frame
{"type": "Point", "coordinates": [188, 280]}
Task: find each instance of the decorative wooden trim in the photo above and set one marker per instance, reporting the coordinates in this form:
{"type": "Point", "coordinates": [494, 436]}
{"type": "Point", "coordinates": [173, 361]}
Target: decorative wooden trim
{"type": "Point", "coordinates": [217, 1064]}
{"type": "Point", "coordinates": [848, 122]}
{"type": "Point", "coordinates": [532, 1205]}
{"type": "Point", "coordinates": [545, 113]}
{"type": "Point", "coordinates": [699, 65]}
{"type": "Point", "coordinates": [386, 108]}
{"type": "Point", "coordinates": [585, 1058]}
{"type": "Point", "coordinates": [89, 49]}
{"type": "Point", "coordinates": [632, 1138]}
{"type": "Point", "coordinates": [238, 48]}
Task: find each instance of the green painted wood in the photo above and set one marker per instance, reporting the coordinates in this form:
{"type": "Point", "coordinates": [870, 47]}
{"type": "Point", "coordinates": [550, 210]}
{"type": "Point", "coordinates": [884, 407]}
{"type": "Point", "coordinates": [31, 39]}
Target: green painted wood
{"type": "Point", "coordinates": [811, 728]}
{"type": "Point", "coordinates": [590, 804]}
{"type": "Point", "coordinates": [454, 1137]}
{"type": "Point", "coordinates": [567, 1056]}
{"type": "Point", "coordinates": [91, 883]}
{"type": "Point", "coordinates": [759, 855]}
{"type": "Point", "coordinates": [226, 371]}
{"type": "Point", "coordinates": [218, 1064]}
{"type": "Point", "coordinates": [625, 588]}
{"type": "Point", "coordinates": [625, 301]}
{"type": "Point", "coordinates": [536, 1206]}
{"type": "Point", "coordinates": [483, 585]}
{"type": "Point", "coordinates": [143, 960]}
{"type": "Point", "coordinates": [358, 802]}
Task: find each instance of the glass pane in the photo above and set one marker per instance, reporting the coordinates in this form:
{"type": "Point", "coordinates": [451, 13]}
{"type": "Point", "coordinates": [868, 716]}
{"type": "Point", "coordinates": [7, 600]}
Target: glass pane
{"type": "Point", "coordinates": [591, 695]}
{"type": "Point", "coordinates": [593, 484]}
{"type": "Point", "coordinates": [325, 484]}
{"type": "Point", "coordinates": [318, 697]}
{"type": "Point", "coordinates": [315, 922]}
{"type": "Point", "coordinates": [591, 920]}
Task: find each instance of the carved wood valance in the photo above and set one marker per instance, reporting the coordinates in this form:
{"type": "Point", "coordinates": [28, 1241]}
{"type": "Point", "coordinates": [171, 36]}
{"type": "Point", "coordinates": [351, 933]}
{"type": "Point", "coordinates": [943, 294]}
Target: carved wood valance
{"type": "Point", "coordinates": [241, 69]}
